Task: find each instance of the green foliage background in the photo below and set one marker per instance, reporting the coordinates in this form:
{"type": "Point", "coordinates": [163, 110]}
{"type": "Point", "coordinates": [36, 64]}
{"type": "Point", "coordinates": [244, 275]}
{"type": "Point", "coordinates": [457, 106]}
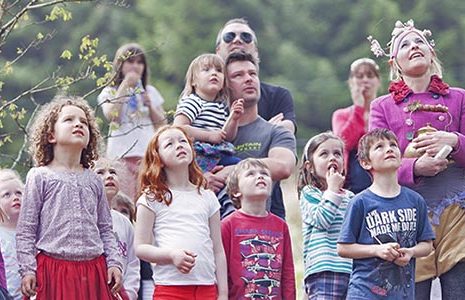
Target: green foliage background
{"type": "Point", "coordinates": [305, 45]}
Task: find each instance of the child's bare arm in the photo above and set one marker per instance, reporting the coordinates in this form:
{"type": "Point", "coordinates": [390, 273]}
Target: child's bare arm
{"type": "Point", "coordinates": [421, 249]}
{"type": "Point", "coordinates": [220, 258]}
{"type": "Point", "coordinates": [387, 251]}
{"type": "Point", "coordinates": [203, 135]}
{"type": "Point", "coordinates": [232, 123]}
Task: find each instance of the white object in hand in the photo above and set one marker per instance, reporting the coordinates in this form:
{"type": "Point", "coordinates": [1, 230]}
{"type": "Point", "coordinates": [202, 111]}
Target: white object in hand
{"type": "Point", "coordinates": [444, 152]}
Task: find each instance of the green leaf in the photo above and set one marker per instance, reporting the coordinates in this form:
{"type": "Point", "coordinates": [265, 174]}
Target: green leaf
{"type": "Point", "coordinates": [66, 55]}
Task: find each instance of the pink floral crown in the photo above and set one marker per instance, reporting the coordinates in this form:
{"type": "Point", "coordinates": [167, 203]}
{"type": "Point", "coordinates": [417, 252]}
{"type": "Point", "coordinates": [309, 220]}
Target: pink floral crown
{"type": "Point", "coordinates": [399, 32]}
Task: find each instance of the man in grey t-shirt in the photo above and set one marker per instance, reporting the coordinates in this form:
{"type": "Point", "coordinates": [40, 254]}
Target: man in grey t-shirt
{"type": "Point", "coordinates": [255, 137]}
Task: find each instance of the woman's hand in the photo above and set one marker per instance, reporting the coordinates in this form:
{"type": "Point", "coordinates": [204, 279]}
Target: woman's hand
{"type": "Point", "coordinates": [427, 165]}
{"type": "Point", "coordinates": [432, 142]}
{"type": "Point", "coordinates": [131, 79]}
{"type": "Point", "coordinates": [356, 92]}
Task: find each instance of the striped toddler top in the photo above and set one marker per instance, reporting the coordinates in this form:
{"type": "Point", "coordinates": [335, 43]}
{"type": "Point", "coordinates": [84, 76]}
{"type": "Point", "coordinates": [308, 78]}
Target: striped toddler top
{"type": "Point", "coordinates": [203, 114]}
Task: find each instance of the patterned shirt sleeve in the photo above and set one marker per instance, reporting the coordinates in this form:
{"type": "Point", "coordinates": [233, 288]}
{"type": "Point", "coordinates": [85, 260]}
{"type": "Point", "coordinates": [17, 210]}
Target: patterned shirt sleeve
{"type": "Point", "coordinates": [28, 223]}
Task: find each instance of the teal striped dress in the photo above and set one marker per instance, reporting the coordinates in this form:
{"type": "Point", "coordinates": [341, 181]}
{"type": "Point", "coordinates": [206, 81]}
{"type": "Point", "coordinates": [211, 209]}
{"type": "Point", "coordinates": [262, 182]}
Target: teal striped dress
{"type": "Point", "coordinates": [322, 215]}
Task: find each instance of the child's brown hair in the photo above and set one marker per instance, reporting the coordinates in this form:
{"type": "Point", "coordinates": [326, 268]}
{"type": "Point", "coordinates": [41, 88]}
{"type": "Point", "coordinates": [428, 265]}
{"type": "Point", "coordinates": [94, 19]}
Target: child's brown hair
{"type": "Point", "coordinates": [307, 177]}
{"type": "Point", "coordinates": [129, 52]}
{"type": "Point", "coordinates": [233, 178]}
{"type": "Point", "coordinates": [370, 138]}
{"type": "Point", "coordinates": [124, 200]}
{"type": "Point", "coordinates": [42, 128]}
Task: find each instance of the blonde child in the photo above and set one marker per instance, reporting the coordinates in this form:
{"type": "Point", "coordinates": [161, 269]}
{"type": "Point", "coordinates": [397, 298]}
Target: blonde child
{"type": "Point", "coordinates": [257, 243]}
{"type": "Point", "coordinates": [11, 194]}
{"type": "Point", "coordinates": [323, 203]}
{"type": "Point", "coordinates": [109, 171]}
{"type": "Point", "coordinates": [134, 108]}
{"type": "Point", "coordinates": [203, 112]}
{"type": "Point", "coordinates": [178, 222]}
{"type": "Point", "coordinates": [386, 226]}
{"type": "Point", "coordinates": [65, 243]}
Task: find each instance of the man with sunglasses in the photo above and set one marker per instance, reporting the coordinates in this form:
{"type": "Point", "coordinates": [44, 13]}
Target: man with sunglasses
{"type": "Point", "coordinates": [276, 104]}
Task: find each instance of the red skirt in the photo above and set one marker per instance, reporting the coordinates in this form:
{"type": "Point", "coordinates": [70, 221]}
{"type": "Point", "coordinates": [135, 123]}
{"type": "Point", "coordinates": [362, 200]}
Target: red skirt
{"type": "Point", "coordinates": [73, 280]}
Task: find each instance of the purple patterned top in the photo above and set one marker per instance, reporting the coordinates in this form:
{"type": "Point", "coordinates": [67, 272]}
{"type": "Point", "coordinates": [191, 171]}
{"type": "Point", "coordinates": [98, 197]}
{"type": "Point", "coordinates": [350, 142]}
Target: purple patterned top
{"type": "Point", "coordinates": [65, 215]}
{"type": "Point", "coordinates": [2, 272]}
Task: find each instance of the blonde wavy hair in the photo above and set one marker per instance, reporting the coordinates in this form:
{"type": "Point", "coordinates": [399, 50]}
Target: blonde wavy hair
{"type": "Point", "coordinates": [207, 59]}
{"type": "Point", "coordinates": [43, 125]}
{"type": "Point", "coordinates": [7, 175]}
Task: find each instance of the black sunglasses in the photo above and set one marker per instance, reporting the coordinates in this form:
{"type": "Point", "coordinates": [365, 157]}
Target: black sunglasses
{"type": "Point", "coordinates": [246, 37]}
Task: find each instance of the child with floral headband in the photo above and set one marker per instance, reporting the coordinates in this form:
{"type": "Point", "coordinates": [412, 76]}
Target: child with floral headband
{"type": "Point", "coordinates": [418, 97]}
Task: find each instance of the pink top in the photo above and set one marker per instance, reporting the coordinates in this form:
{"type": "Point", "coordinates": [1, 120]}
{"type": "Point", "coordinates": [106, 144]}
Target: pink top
{"type": "Point", "coordinates": [386, 113]}
{"type": "Point", "coordinates": [399, 112]}
{"type": "Point", "coordinates": [2, 271]}
{"type": "Point", "coordinates": [65, 215]}
{"type": "Point", "coordinates": [348, 123]}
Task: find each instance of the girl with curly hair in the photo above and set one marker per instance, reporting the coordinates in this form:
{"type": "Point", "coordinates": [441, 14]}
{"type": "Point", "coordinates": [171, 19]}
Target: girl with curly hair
{"type": "Point", "coordinates": [65, 243]}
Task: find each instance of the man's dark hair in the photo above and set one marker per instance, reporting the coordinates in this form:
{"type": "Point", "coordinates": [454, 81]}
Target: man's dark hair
{"type": "Point", "coordinates": [240, 56]}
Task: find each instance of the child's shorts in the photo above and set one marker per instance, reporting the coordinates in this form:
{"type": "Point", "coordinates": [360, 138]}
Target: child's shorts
{"type": "Point", "coordinates": [327, 285]}
{"type": "Point", "coordinates": [182, 292]}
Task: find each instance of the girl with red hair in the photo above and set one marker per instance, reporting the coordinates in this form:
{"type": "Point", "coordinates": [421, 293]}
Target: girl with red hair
{"type": "Point", "coordinates": [178, 221]}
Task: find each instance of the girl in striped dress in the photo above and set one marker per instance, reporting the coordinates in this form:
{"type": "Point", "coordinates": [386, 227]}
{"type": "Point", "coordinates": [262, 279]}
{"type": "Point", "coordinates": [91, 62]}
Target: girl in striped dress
{"type": "Point", "coordinates": [323, 203]}
{"type": "Point", "coordinates": [203, 112]}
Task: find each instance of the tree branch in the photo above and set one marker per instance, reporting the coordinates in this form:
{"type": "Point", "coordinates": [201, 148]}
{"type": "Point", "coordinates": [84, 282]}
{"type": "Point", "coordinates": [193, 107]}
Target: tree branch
{"type": "Point", "coordinates": [7, 27]}
{"type": "Point", "coordinates": [23, 146]}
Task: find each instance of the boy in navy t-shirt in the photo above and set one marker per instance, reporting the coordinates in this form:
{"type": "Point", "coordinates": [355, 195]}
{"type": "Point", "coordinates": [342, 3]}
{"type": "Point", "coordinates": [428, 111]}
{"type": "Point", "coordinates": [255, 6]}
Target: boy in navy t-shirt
{"type": "Point", "coordinates": [385, 227]}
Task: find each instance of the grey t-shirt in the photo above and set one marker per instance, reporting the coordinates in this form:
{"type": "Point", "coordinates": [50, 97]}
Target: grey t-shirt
{"type": "Point", "coordinates": [255, 140]}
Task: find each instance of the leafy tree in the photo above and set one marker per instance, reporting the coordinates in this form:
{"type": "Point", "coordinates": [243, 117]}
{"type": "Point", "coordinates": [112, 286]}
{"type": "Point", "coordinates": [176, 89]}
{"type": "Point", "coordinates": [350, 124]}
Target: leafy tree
{"type": "Point", "coordinates": [306, 46]}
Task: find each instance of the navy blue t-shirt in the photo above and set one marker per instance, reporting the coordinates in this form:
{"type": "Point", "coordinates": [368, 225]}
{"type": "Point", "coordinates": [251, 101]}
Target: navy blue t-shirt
{"type": "Point", "coordinates": [274, 100]}
{"type": "Point", "coordinates": [371, 219]}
